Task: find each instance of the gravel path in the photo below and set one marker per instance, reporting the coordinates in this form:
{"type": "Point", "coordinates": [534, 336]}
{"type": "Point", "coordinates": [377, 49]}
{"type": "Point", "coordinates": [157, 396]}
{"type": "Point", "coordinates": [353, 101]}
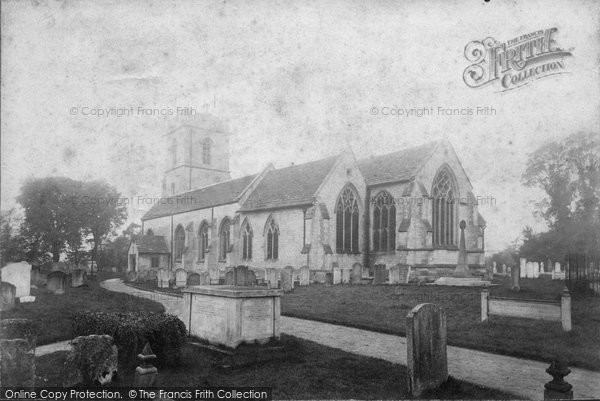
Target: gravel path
{"type": "Point", "coordinates": [521, 377]}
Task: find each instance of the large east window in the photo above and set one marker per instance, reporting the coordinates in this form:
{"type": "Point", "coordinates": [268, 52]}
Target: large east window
{"type": "Point", "coordinates": [272, 240]}
{"type": "Point", "coordinates": [444, 208]}
{"type": "Point", "coordinates": [384, 222]}
{"type": "Point", "coordinates": [346, 222]}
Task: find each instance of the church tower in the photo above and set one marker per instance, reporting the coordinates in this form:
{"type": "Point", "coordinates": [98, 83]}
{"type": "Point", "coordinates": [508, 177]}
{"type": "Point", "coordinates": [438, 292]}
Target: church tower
{"type": "Point", "coordinates": [197, 156]}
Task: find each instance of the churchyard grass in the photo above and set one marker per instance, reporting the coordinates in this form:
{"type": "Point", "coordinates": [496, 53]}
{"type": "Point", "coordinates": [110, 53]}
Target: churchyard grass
{"type": "Point", "coordinates": [384, 308]}
{"type": "Point", "coordinates": [52, 313]}
{"type": "Point", "coordinates": [310, 371]}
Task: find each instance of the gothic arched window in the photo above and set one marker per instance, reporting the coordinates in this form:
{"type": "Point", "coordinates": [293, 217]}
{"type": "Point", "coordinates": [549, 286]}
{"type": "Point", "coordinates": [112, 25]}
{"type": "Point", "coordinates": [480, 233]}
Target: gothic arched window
{"type": "Point", "coordinates": [444, 208]}
{"type": "Point", "coordinates": [272, 239]}
{"type": "Point", "coordinates": [384, 222]}
{"type": "Point", "coordinates": [179, 244]}
{"type": "Point", "coordinates": [203, 240]}
{"type": "Point", "coordinates": [206, 151]}
{"type": "Point", "coordinates": [246, 241]}
{"type": "Point", "coordinates": [346, 222]}
{"type": "Point", "coordinates": [224, 238]}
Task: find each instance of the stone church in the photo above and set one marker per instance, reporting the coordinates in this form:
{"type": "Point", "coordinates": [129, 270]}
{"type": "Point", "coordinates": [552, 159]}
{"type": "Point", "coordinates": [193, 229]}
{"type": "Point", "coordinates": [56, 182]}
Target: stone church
{"type": "Point", "coordinates": [400, 208]}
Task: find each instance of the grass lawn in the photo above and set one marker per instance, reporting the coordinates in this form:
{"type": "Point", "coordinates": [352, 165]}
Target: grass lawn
{"type": "Point", "coordinates": [310, 371]}
{"type": "Point", "coordinates": [384, 308]}
{"type": "Point", "coordinates": [53, 313]}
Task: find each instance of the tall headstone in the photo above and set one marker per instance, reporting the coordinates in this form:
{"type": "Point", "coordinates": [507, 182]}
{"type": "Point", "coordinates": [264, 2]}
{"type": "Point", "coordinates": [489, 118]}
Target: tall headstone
{"type": "Point", "coordinates": [163, 276]}
{"type": "Point", "coordinates": [57, 282]}
{"type": "Point", "coordinates": [503, 269]}
{"type": "Point", "coordinates": [495, 269]}
{"type": "Point", "coordinates": [408, 274]}
{"type": "Point", "coordinates": [145, 373]}
{"type": "Point", "coordinates": [152, 275]}
{"type": "Point", "coordinates": [19, 275]}
{"type": "Point", "coordinates": [380, 274]}
{"type": "Point", "coordinates": [529, 270]}
{"type": "Point", "coordinates": [337, 275]}
{"type": "Point", "coordinates": [229, 278]}
{"type": "Point", "coordinates": [395, 274]}
{"type": "Point", "coordinates": [426, 353]}
{"type": "Point", "coordinates": [240, 275]}
{"type": "Point", "coordinates": [462, 268]}
{"type": "Point", "coordinates": [490, 270]}
{"type": "Point", "coordinates": [271, 277]}
{"type": "Point", "coordinates": [7, 296]}
{"type": "Point", "coordinates": [213, 272]}
{"type": "Point", "coordinates": [356, 273]}
{"type": "Point", "coordinates": [523, 267]}
{"type": "Point", "coordinates": [77, 278]}
{"type": "Point", "coordinates": [304, 275]}
{"type": "Point", "coordinates": [180, 278]}
{"type": "Point", "coordinates": [287, 279]}
{"type": "Point", "coordinates": [536, 270]}
{"type": "Point", "coordinates": [557, 267]}
{"type": "Point", "coordinates": [515, 277]}
{"type": "Point", "coordinates": [204, 278]}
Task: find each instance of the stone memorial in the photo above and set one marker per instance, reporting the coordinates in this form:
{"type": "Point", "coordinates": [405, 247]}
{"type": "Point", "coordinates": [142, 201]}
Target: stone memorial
{"type": "Point", "coordinates": [251, 278]}
{"type": "Point", "coordinates": [171, 278]}
{"type": "Point", "coordinates": [163, 276]}
{"type": "Point", "coordinates": [287, 280]}
{"type": "Point", "coordinates": [57, 282]}
{"type": "Point", "coordinates": [503, 269]}
{"type": "Point", "coordinates": [516, 276]}
{"type": "Point", "coordinates": [356, 273]}
{"type": "Point", "coordinates": [152, 275]}
{"type": "Point", "coordinates": [426, 355]}
{"type": "Point", "coordinates": [380, 274]}
{"type": "Point", "coordinates": [229, 278]}
{"type": "Point", "coordinates": [271, 278]}
{"type": "Point", "coordinates": [395, 274]}
{"type": "Point", "coordinates": [536, 270]}
{"type": "Point", "coordinates": [213, 272]}
{"type": "Point", "coordinates": [462, 268]}
{"type": "Point", "coordinates": [240, 275]}
{"type": "Point", "coordinates": [528, 270]}
{"type": "Point", "coordinates": [408, 273]}
{"type": "Point", "coordinates": [490, 271]}
{"type": "Point", "coordinates": [345, 276]}
{"type": "Point", "coordinates": [494, 268]}
{"type": "Point", "coordinates": [304, 276]}
{"type": "Point", "coordinates": [230, 315]}
{"type": "Point", "coordinates": [38, 277]}
{"type": "Point", "coordinates": [131, 276]}
{"type": "Point", "coordinates": [204, 278]}
{"type": "Point", "coordinates": [180, 278]}
{"type": "Point", "coordinates": [337, 275]}
{"type": "Point", "coordinates": [523, 267]}
{"type": "Point", "coordinates": [19, 275]}
{"type": "Point", "coordinates": [7, 296]}
{"type": "Point", "coordinates": [557, 268]}
{"type": "Point", "coordinates": [193, 279]}
{"type": "Point", "coordinates": [145, 373]}
{"type": "Point", "coordinates": [77, 278]}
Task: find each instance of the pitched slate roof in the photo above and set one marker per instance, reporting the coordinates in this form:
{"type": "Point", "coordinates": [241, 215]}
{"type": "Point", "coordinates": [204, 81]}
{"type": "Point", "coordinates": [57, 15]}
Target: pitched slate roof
{"type": "Point", "coordinates": [396, 166]}
{"type": "Point", "coordinates": [151, 244]}
{"type": "Point", "coordinates": [213, 195]}
{"type": "Point", "coordinates": [289, 186]}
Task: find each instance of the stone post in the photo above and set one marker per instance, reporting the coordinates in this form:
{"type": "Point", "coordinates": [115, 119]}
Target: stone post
{"type": "Point", "coordinates": [462, 269]}
{"type": "Point", "coordinates": [557, 388]}
{"type": "Point", "coordinates": [565, 310]}
{"type": "Point", "coordinates": [145, 374]}
{"type": "Point", "coordinates": [484, 305]}
{"type": "Point", "coordinates": [516, 276]}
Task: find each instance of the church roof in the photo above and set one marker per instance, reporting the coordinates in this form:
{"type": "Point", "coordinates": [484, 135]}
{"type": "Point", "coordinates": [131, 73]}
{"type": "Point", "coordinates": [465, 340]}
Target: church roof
{"type": "Point", "coordinates": [151, 244]}
{"type": "Point", "coordinates": [289, 186]}
{"type": "Point", "coordinates": [214, 195]}
{"type": "Point", "coordinates": [397, 166]}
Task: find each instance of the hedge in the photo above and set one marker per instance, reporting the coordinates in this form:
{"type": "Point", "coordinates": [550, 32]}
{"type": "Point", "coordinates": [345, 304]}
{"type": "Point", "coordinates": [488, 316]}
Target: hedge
{"type": "Point", "coordinates": [130, 331]}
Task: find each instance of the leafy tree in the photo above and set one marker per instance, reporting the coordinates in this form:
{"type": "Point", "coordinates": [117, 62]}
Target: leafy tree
{"type": "Point", "coordinates": [568, 171]}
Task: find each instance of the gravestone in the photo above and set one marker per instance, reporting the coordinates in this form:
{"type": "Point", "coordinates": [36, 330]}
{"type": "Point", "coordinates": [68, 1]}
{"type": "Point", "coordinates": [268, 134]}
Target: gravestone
{"type": "Point", "coordinates": [557, 267]}
{"type": "Point", "coordinates": [229, 278]}
{"type": "Point", "coordinates": [528, 270]}
{"type": "Point", "coordinates": [171, 278]}
{"type": "Point", "coordinates": [152, 275]}
{"type": "Point", "coordinates": [345, 276]}
{"type": "Point", "coordinates": [523, 267]}
{"type": "Point", "coordinates": [38, 277]}
{"type": "Point", "coordinates": [193, 279]}
{"type": "Point", "coordinates": [503, 269]}
{"type": "Point", "coordinates": [516, 276]}
{"type": "Point", "coordinates": [536, 269]}
{"type": "Point", "coordinates": [356, 273]}
{"type": "Point", "coordinates": [271, 278]}
{"type": "Point", "coordinates": [145, 373]}
{"type": "Point", "coordinates": [213, 272]}
{"type": "Point", "coordinates": [304, 275]}
{"type": "Point", "coordinates": [77, 278]}
{"type": "Point", "coordinates": [19, 275]}
{"type": "Point", "coordinates": [395, 274]}
{"type": "Point", "coordinates": [490, 272]}
{"type": "Point", "coordinates": [57, 282]}
{"type": "Point", "coordinates": [426, 353]}
{"type": "Point", "coordinates": [337, 275]}
{"type": "Point", "coordinates": [163, 276]}
{"type": "Point", "coordinates": [494, 268]}
{"type": "Point", "coordinates": [380, 274]}
{"type": "Point", "coordinates": [240, 276]}
{"type": "Point", "coordinates": [204, 278]}
{"type": "Point", "coordinates": [287, 280]}
{"type": "Point", "coordinates": [180, 278]}
{"type": "Point", "coordinates": [131, 276]}
{"type": "Point", "coordinates": [250, 278]}
{"type": "Point", "coordinates": [462, 268]}
{"type": "Point", "coordinates": [91, 359]}
{"type": "Point", "coordinates": [408, 274]}
{"type": "Point", "coordinates": [7, 296]}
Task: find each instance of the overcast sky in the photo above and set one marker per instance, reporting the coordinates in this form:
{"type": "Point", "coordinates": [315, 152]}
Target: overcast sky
{"type": "Point", "coordinates": [292, 83]}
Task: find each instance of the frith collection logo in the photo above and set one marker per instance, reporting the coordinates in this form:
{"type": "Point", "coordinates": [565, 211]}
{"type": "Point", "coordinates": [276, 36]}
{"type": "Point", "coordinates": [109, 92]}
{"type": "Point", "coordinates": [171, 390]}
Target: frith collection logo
{"type": "Point", "coordinates": [516, 62]}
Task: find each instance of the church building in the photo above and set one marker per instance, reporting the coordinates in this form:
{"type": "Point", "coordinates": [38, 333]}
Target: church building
{"type": "Point", "coordinates": [400, 208]}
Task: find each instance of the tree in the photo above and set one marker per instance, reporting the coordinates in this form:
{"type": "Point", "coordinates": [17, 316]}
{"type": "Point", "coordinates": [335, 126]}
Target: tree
{"type": "Point", "coordinates": [568, 171]}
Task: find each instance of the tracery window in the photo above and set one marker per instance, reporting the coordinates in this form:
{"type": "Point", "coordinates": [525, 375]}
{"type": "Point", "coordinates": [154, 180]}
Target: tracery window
{"type": "Point", "coordinates": [203, 240]}
{"type": "Point", "coordinates": [246, 241]}
{"type": "Point", "coordinates": [224, 238]}
{"type": "Point", "coordinates": [384, 222]}
{"type": "Point", "coordinates": [444, 208]}
{"type": "Point", "coordinates": [272, 239]}
{"type": "Point", "coordinates": [346, 222]}
{"type": "Point", "coordinates": [179, 244]}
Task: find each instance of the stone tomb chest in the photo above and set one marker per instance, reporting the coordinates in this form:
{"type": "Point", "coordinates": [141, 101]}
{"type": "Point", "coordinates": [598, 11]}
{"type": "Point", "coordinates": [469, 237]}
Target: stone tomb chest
{"type": "Point", "coordinates": [229, 315]}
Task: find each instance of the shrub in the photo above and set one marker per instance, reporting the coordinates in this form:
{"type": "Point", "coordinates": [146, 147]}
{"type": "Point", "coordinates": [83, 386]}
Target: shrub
{"type": "Point", "coordinates": [19, 328]}
{"type": "Point", "coordinates": [130, 331]}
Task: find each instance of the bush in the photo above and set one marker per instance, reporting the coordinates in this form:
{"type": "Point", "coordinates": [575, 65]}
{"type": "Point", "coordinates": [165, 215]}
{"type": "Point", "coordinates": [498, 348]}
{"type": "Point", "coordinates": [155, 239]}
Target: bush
{"type": "Point", "coordinates": [19, 328]}
{"type": "Point", "coordinates": [130, 331]}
